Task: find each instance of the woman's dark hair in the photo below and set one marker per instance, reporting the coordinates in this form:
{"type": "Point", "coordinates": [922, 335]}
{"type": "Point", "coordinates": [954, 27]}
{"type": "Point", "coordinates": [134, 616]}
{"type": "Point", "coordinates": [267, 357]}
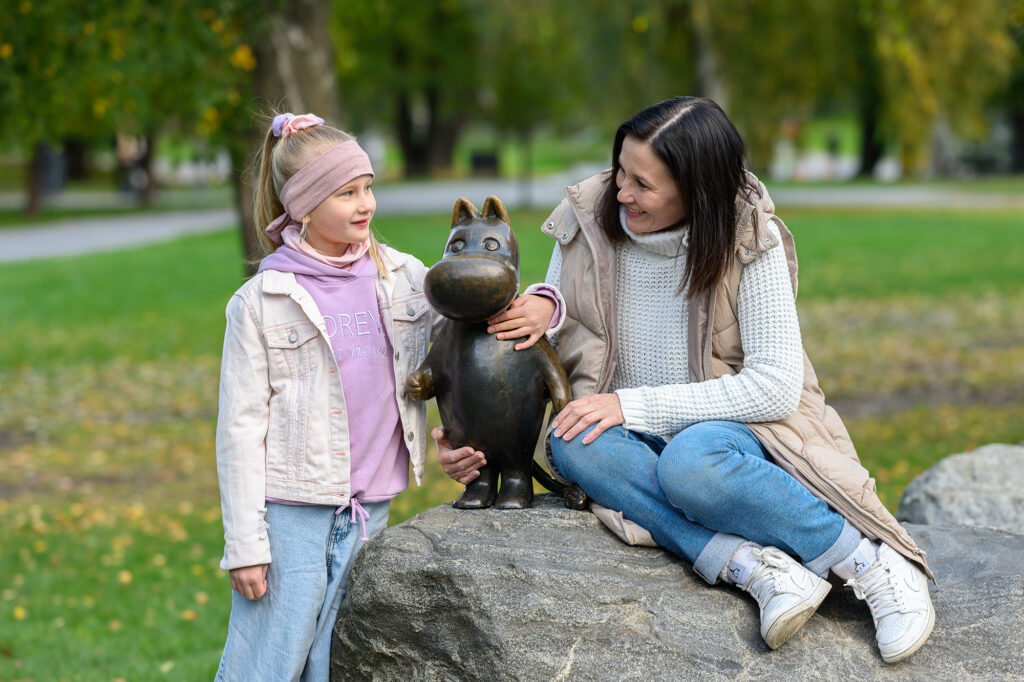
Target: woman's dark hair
{"type": "Point", "coordinates": [704, 155]}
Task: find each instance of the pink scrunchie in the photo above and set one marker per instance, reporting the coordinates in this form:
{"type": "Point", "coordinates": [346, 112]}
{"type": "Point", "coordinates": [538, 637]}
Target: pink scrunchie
{"type": "Point", "coordinates": [286, 124]}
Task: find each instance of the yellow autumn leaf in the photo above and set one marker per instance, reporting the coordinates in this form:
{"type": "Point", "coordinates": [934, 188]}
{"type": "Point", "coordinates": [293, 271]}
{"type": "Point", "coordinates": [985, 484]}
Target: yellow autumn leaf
{"type": "Point", "coordinates": [20, 613]}
{"type": "Point", "coordinates": [243, 58]}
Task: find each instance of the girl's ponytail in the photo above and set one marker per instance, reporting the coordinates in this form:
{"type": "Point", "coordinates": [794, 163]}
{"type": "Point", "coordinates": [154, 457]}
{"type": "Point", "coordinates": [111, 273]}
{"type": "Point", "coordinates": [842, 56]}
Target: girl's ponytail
{"type": "Point", "coordinates": [266, 204]}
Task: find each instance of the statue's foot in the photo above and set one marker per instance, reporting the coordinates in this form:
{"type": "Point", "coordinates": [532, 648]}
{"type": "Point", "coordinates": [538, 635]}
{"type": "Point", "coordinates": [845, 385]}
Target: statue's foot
{"type": "Point", "coordinates": [515, 493]}
{"type": "Point", "coordinates": [477, 495]}
{"type": "Point", "coordinates": [574, 498]}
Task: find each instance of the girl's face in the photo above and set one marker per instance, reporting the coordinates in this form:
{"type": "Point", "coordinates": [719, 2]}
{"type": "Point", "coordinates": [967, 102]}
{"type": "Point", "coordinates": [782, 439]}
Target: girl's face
{"type": "Point", "coordinates": [646, 189]}
{"type": "Point", "coordinates": [342, 218]}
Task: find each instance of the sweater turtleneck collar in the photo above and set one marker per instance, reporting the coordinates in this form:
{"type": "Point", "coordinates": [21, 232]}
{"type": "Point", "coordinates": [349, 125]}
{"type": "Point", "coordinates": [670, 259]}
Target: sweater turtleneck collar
{"type": "Point", "coordinates": [670, 243]}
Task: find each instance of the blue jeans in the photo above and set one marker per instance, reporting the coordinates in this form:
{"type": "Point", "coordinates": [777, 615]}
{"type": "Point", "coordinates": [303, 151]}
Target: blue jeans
{"type": "Point", "coordinates": [705, 492]}
{"type": "Point", "coordinates": [286, 635]}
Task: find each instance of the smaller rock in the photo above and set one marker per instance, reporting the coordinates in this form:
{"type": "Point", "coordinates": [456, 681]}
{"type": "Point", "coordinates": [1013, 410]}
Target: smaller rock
{"type": "Point", "coordinates": [983, 488]}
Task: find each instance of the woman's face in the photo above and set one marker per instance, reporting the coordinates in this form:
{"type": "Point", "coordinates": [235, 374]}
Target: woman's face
{"type": "Point", "coordinates": [646, 189]}
{"type": "Point", "coordinates": [342, 218]}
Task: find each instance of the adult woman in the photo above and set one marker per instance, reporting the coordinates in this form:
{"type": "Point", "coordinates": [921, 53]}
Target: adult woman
{"type": "Point", "coordinates": [697, 414]}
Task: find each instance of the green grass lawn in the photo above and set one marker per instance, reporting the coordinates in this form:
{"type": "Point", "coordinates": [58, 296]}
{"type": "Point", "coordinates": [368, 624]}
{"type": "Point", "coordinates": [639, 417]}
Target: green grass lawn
{"type": "Point", "coordinates": [109, 516]}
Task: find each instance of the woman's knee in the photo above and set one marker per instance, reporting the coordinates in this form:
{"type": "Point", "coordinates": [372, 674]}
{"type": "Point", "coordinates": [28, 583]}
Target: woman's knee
{"type": "Point", "coordinates": [576, 460]}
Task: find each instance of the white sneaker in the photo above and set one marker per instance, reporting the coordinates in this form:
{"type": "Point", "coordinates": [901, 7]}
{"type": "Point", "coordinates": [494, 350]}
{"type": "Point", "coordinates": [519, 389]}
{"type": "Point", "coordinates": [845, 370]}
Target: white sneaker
{"type": "Point", "coordinates": [787, 593]}
{"type": "Point", "coordinates": [897, 594]}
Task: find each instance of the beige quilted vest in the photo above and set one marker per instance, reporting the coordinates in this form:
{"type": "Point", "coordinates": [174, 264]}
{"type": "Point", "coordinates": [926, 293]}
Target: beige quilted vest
{"type": "Point", "coordinates": [812, 444]}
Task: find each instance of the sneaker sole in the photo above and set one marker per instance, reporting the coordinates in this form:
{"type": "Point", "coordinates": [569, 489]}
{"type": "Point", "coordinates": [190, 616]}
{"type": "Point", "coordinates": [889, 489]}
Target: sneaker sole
{"type": "Point", "coordinates": [787, 624]}
{"type": "Point", "coordinates": [912, 649]}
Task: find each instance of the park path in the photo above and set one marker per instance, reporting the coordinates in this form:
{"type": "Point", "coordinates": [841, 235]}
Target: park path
{"type": "Point", "coordinates": [87, 235]}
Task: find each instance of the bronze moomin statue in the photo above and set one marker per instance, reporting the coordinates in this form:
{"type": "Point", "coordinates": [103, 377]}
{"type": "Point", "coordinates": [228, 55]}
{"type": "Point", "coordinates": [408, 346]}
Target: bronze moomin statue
{"type": "Point", "coordinates": [489, 395]}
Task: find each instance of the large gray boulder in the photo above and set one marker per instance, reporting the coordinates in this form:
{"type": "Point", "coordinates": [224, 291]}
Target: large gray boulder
{"type": "Point", "coordinates": [983, 488]}
{"type": "Point", "coordinates": [548, 594]}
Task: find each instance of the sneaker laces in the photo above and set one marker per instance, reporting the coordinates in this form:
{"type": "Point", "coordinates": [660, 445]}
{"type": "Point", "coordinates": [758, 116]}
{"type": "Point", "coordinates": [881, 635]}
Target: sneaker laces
{"type": "Point", "coordinates": [879, 588]}
{"type": "Point", "coordinates": [761, 583]}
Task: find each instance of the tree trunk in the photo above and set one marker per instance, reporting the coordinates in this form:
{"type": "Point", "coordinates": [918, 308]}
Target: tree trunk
{"type": "Point", "coordinates": [74, 152]}
{"type": "Point", "coordinates": [871, 148]}
{"type": "Point", "coordinates": [34, 181]}
{"type": "Point", "coordinates": [294, 72]}
{"type": "Point", "coordinates": [1017, 125]}
{"type": "Point", "coordinates": [709, 78]}
{"type": "Point", "coordinates": [147, 193]}
{"type": "Point", "coordinates": [410, 139]}
{"type": "Point", "coordinates": [869, 98]}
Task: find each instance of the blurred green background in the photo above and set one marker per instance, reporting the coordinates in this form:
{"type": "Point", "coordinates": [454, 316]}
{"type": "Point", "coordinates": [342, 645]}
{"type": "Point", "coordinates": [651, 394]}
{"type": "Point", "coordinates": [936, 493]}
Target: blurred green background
{"type": "Point", "coordinates": [110, 527]}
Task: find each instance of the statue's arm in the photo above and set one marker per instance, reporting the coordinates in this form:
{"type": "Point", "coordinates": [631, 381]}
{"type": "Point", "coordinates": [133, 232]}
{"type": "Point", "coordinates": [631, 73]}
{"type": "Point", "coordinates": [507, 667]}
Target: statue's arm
{"type": "Point", "coordinates": [555, 378]}
{"type": "Point", "coordinates": [420, 384]}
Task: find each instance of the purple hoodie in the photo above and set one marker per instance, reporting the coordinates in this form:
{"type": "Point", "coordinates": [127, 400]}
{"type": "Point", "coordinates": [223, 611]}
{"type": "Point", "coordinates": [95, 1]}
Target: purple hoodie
{"type": "Point", "coordinates": [347, 299]}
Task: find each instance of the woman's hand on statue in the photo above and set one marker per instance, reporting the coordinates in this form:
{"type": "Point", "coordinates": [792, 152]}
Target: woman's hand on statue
{"type": "Point", "coordinates": [528, 315]}
{"type": "Point", "coordinates": [462, 464]}
{"type": "Point", "coordinates": [602, 409]}
{"type": "Point", "coordinates": [250, 581]}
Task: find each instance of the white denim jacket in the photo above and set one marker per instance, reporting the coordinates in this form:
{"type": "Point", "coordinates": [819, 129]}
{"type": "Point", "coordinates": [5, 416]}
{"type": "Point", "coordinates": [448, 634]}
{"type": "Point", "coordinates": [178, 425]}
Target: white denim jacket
{"type": "Point", "coordinates": [282, 428]}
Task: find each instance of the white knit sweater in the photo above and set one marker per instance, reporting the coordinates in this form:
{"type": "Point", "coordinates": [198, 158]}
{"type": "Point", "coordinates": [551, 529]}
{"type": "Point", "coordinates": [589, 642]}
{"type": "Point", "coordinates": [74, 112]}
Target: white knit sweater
{"type": "Point", "coordinates": [651, 377]}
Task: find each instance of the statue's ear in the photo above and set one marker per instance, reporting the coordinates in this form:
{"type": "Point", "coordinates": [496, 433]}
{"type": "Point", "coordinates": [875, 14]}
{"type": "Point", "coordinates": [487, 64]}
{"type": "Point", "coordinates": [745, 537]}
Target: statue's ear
{"type": "Point", "coordinates": [493, 208]}
{"type": "Point", "coordinates": [464, 211]}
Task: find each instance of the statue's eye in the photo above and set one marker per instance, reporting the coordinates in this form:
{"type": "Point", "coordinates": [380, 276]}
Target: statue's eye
{"type": "Point", "coordinates": [491, 244]}
{"type": "Point", "coordinates": [456, 246]}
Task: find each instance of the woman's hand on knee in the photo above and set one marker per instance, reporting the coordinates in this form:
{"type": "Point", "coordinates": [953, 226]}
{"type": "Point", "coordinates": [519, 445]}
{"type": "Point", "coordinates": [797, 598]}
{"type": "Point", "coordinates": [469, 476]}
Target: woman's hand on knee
{"type": "Point", "coordinates": [602, 409]}
{"type": "Point", "coordinates": [250, 581]}
{"type": "Point", "coordinates": [460, 464]}
{"type": "Point", "coordinates": [528, 316]}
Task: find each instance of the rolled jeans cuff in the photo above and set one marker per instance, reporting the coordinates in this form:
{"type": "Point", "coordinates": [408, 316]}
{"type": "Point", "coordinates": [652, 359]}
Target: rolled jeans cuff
{"type": "Point", "coordinates": [715, 555]}
{"type": "Point", "coordinates": [843, 547]}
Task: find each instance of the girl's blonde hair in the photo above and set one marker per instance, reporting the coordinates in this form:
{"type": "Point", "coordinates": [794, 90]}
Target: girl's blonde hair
{"type": "Point", "coordinates": [276, 162]}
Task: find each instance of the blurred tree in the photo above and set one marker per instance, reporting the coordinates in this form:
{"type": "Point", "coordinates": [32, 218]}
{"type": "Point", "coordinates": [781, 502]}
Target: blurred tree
{"type": "Point", "coordinates": [1011, 96]}
{"type": "Point", "coordinates": [292, 61]}
{"type": "Point", "coordinates": [527, 62]}
{"type": "Point", "coordinates": [772, 56]}
{"type": "Point", "coordinates": [413, 65]}
{"type": "Point", "coordinates": [90, 72]}
{"type": "Point", "coordinates": [930, 60]}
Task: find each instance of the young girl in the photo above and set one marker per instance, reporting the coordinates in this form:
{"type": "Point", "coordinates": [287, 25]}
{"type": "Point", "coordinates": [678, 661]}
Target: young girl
{"type": "Point", "coordinates": [315, 433]}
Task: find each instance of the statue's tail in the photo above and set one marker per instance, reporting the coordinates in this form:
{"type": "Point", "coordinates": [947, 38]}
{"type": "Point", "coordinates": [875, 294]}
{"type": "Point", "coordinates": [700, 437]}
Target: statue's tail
{"type": "Point", "coordinates": [572, 495]}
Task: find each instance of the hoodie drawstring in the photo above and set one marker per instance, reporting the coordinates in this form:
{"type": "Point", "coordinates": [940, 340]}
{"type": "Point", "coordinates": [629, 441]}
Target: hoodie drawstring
{"type": "Point", "coordinates": [357, 510]}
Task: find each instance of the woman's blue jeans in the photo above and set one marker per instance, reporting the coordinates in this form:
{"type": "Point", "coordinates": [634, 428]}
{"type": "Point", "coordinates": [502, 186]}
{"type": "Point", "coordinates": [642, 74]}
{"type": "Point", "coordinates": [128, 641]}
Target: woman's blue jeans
{"type": "Point", "coordinates": [286, 635]}
{"type": "Point", "coordinates": [705, 492]}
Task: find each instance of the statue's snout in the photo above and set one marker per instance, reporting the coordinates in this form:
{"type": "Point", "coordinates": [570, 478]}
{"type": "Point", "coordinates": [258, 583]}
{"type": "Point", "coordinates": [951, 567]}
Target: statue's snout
{"type": "Point", "coordinates": [471, 288]}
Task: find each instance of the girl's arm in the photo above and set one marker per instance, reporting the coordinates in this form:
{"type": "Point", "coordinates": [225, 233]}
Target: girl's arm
{"type": "Point", "coordinates": [242, 424]}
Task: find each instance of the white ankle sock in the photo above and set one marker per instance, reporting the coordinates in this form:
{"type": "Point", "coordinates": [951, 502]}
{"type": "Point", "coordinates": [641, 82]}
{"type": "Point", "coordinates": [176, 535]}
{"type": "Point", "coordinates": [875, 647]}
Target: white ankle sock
{"type": "Point", "coordinates": [740, 565]}
{"type": "Point", "coordinates": [858, 562]}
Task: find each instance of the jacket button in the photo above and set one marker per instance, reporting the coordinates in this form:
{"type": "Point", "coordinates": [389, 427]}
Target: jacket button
{"type": "Point", "coordinates": [410, 311]}
{"type": "Point", "coordinates": [551, 223]}
{"type": "Point", "coordinates": [409, 436]}
{"type": "Point", "coordinates": [748, 252]}
{"type": "Point", "coordinates": [767, 240]}
{"type": "Point", "coordinates": [565, 235]}
{"type": "Point", "coordinates": [293, 337]}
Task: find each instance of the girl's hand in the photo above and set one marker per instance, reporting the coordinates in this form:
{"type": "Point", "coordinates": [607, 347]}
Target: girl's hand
{"type": "Point", "coordinates": [250, 581]}
{"type": "Point", "coordinates": [602, 409]}
{"type": "Point", "coordinates": [528, 315]}
{"type": "Point", "coordinates": [461, 465]}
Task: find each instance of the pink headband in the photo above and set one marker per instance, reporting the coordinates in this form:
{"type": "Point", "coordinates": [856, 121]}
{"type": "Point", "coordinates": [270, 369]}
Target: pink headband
{"type": "Point", "coordinates": [316, 181]}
